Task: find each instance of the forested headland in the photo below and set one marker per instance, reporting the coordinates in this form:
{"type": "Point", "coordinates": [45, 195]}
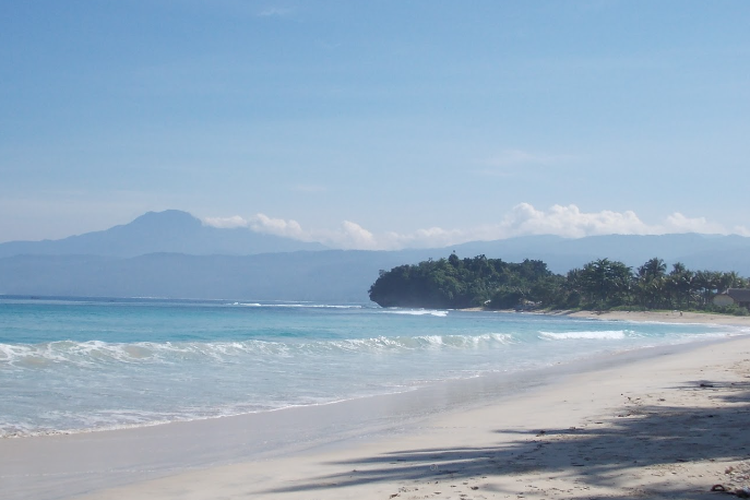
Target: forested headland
{"type": "Point", "coordinates": [602, 284]}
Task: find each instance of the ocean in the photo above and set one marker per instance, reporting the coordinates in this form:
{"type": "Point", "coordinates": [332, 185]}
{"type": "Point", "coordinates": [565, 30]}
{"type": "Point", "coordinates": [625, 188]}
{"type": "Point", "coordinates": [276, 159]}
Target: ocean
{"type": "Point", "coordinates": [72, 365]}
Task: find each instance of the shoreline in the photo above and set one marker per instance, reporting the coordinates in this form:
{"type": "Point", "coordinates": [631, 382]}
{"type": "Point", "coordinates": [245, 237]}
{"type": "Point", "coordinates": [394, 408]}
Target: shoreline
{"type": "Point", "coordinates": [636, 316]}
{"type": "Point", "coordinates": [671, 425]}
{"type": "Point", "coordinates": [613, 429]}
{"type": "Point", "coordinates": [665, 317]}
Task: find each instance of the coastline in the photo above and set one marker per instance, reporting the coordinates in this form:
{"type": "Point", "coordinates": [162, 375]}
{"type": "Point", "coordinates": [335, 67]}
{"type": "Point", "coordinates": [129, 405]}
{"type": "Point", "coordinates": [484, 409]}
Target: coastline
{"type": "Point", "coordinates": [639, 316]}
{"type": "Point", "coordinates": [656, 423]}
{"type": "Point", "coordinates": [664, 317]}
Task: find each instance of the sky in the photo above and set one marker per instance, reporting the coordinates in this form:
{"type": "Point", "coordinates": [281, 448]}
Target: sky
{"type": "Point", "coordinates": [377, 124]}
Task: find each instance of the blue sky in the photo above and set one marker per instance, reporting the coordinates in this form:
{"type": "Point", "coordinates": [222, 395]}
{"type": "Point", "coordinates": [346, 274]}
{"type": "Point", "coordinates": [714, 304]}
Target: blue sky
{"type": "Point", "coordinates": [378, 124]}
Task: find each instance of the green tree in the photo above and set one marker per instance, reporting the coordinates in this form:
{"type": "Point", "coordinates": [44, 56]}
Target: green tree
{"type": "Point", "coordinates": [605, 283]}
{"type": "Point", "coordinates": [601, 284]}
{"type": "Point", "coordinates": [649, 285]}
{"type": "Point", "coordinates": [679, 286]}
{"type": "Point", "coordinates": [706, 285]}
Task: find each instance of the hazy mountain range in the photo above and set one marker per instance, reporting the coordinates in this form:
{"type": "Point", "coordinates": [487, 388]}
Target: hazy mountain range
{"type": "Point", "coordinates": [172, 254]}
{"type": "Point", "coordinates": [170, 231]}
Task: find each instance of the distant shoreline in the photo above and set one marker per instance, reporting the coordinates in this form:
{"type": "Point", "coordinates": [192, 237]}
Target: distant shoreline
{"type": "Point", "coordinates": [663, 317]}
{"type": "Point", "coordinates": [639, 316]}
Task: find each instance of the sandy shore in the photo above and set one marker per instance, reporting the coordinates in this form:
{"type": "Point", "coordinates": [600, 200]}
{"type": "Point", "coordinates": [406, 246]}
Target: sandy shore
{"type": "Point", "coordinates": [639, 316]}
{"type": "Point", "coordinates": [659, 424]}
{"type": "Point", "coordinates": [664, 316]}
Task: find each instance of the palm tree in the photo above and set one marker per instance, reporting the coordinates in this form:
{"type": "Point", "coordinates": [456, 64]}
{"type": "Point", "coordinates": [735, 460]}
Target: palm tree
{"type": "Point", "coordinates": [706, 284]}
{"type": "Point", "coordinates": [679, 284]}
{"type": "Point", "coordinates": [729, 280]}
{"type": "Point", "coordinates": [653, 268]}
{"type": "Point", "coordinates": [650, 283]}
{"type": "Point", "coordinates": [605, 282]}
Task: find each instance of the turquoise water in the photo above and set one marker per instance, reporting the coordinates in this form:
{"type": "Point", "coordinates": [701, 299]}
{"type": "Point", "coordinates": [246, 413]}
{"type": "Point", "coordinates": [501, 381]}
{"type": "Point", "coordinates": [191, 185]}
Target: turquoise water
{"type": "Point", "coordinates": [76, 365]}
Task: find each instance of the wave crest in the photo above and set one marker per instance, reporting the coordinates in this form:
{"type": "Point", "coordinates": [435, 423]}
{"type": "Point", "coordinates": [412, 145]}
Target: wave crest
{"type": "Point", "coordinates": [584, 335]}
{"type": "Point", "coordinates": [96, 353]}
{"type": "Point", "coordinates": [417, 312]}
{"type": "Point", "coordinates": [297, 305]}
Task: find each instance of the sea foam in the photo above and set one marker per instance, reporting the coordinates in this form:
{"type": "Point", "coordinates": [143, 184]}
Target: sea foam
{"type": "Point", "coordinates": [71, 366]}
{"type": "Point", "coordinates": [587, 335]}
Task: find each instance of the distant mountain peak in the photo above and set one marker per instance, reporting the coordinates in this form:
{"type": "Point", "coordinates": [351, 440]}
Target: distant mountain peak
{"type": "Point", "coordinates": [173, 218]}
{"type": "Point", "coordinates": [170, 231]}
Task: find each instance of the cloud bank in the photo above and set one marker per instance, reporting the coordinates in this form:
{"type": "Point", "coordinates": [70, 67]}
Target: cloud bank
{"type": "Point", "coordinates": [523, 220]}
{"type": "Point", "coordinates": [349, 236]}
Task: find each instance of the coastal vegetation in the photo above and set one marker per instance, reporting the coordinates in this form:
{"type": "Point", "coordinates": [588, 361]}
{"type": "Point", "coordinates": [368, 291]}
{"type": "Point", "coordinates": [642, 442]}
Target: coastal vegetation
{"type": "Point", "coordinates": [601, 284]}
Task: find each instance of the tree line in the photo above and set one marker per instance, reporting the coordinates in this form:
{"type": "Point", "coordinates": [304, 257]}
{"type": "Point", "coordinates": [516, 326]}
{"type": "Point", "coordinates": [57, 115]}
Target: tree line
{"type": "Point", "coordinates": [599, 285]}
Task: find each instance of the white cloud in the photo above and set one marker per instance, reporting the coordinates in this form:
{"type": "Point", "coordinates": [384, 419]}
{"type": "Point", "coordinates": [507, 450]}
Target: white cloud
{"type": "Point", "coordinates": [225, 222]}
{"type": "Point", "coordinates": [566, 221]}
{"type": "Point", "coordinates": [261, 223]}
{"type": "Point", "coordinates": [289, 228]}
{"type": "Point", "coordinates": [423, 238]}
{"type": "Point", "coordinates": [352, 236]}
{"type": "Point", "coordinates": [678, 223]}
{"type": "Point", "coordinates": [569, 222]}
{"type": "Point", "coordinates": [523, 220]}
{"type": "Point", "coordinates": [349, 236]}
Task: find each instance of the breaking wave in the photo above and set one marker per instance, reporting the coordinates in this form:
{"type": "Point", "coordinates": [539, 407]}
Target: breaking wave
{"type": "Point", "coordinates": [416, 312]}
{"type": "Point", "coordinates": [298, 305]}
{"type": "Point", "coordinates": [584, 335]}
{"type": "Point", "coordinates": [96, 353]}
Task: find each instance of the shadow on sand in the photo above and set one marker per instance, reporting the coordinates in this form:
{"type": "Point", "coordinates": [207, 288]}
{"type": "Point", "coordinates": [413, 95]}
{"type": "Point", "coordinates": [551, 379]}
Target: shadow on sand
{"type": "Point", "coordinates": [643, 433]}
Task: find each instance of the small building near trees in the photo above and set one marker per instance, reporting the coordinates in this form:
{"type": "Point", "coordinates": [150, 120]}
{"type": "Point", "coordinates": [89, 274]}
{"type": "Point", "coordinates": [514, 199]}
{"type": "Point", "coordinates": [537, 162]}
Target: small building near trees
{"type": "Point", "coordinates": [733, 296]}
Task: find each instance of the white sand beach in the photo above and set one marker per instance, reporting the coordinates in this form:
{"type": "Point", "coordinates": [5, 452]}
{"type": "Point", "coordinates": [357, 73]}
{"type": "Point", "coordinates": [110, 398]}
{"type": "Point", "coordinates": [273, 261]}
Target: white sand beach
{"type": "Point", "coordinates": [666, 317]}
{"type": "Point", "coordinates": [656, 423]}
